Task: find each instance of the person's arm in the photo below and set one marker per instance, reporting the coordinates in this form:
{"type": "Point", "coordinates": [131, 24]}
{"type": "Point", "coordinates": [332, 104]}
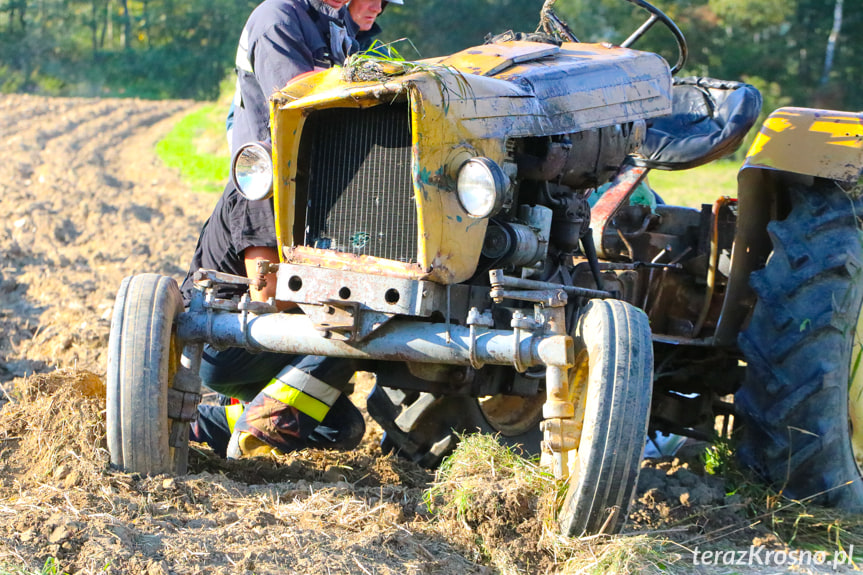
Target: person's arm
{"type": "Point", "coordinates": [280, 55]}
{"type": "Point", "coordinates": [252, 255]}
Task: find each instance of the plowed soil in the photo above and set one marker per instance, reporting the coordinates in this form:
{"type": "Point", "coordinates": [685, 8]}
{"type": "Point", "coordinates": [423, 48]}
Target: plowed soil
{"type": "Point", "coordinates": [83, 203]}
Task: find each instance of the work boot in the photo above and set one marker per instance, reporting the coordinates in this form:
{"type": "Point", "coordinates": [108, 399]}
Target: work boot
{"type": "Point", "coordinates": [244, 444]}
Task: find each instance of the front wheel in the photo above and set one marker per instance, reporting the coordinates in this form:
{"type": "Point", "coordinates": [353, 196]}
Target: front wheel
{"type": "Point", "coordinates": [143, 366]}
{"type": "Point", "coordinates": [610, 386]}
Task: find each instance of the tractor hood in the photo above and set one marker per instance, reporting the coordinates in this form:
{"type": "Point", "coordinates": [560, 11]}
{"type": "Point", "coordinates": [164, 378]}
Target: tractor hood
{"type": "Point", "coordinates": [511, 89]}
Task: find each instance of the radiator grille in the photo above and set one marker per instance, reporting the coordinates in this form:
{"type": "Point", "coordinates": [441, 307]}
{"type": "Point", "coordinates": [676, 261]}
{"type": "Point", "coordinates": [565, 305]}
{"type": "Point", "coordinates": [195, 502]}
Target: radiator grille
{"type": "Point", "coordinates": [360, 197]}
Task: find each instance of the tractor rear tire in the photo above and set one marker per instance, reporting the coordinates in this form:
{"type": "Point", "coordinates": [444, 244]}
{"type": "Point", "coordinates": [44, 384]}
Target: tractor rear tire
{"type": "Point", "coordinates": [143, 360]}
{"type": "Point", "coordinates": [801, 403]}
{"type": "Point", "coordinates": [422, 427]}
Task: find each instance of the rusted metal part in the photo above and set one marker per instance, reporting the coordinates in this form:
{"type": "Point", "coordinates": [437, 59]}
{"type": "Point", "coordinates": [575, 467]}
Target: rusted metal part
{"type": "Point", "coordinates": [398, 340]}
{"type": "Point", "coordinates": [182, 405]}
{"type": "Point", "coordinates": [520, 324]}
{"type": "Point", "coordinates": [263, 269]}
{"type": "Point", "coordinates": [340, 319]}
{"type": "Point", "coordinates": [558, 409]}
{"type": "Point", "coordinates": [561, 434]}
{"type": "Point", "coordinates": [191, 359]}
{"type": "Point", "coordinates": [257, 307]}
{"type": "Point", "coordinates": [187, 380]}
{"type": "Point", "coordinates": [369, 265]}
{"type": "Point", "coordinates": [551, 298]}
{"type": "Point", "coordinates": [683, 340]}
{"type": "Point", "coordinates": [622, 186]}
{"type": "Point", "coordinates": [714, 261]}
{"type": "Point", "coordinates": [210, 278]}
{"type": "Point", "coordinates": [499, 281]}
{"type": "Point", "coordinates": [351, 305]}
{"type": "Point", "coordinates": [179, 439]}
{"type": "Point", "coordinates": [650, 275]}
{"type": "Point", "coordinates": [309, 284]}
{"type": "Point", "coordinates": [475, 319]}
{"type": "Point", "coordinates": [221, 304]}
{"type": "Point", "coordinates": [615, 266]}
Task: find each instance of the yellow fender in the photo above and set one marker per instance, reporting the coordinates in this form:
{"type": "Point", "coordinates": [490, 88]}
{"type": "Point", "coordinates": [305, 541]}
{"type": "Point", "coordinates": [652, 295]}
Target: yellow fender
{"type": "Point", "coordinates": [820, 143]}
{"type": "Point", "coordinates": [794, 145]}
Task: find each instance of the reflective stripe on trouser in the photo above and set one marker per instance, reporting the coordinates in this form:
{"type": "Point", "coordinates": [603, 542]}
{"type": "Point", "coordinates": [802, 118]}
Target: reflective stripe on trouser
{"type": "Point", "coordinates": [214, 425]}
{"type": "Point", "coordinates": [307, 393]}
{"type": "Point", "coordinates": [233, 413]}
{"type": "Point", "coordinates": [287, 411]}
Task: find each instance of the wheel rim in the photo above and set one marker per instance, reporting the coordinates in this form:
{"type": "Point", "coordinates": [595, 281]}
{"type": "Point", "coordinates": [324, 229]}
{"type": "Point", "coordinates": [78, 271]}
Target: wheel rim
{"type": "Point", "coordinates": [579, 378]}
{"type": "Point", "coordinates": [174, 354]}
{"type": "Point", "coordinates": [855, 394]}
{"type": "Point", "coordinates": [512, 415]}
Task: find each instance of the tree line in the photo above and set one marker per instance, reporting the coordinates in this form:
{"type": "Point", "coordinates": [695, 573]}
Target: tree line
{"type": "Point", "coordinates": [800, 52]}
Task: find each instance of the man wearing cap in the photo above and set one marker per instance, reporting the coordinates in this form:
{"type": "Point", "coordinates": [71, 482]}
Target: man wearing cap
{"type": "Point", "coordinates": [364, 13]}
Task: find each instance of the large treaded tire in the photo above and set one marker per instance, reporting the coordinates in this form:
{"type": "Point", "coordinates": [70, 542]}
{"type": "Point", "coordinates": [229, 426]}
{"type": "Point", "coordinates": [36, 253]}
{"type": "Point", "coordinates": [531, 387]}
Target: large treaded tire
{"type": "Point", "coordinates": [423, 427]}
{"type": "Point", "coordinates": [614, 343]}
{"type": "Point", "coordinates": [143, 358]}
{"type": "Point", "coordinates": [800, 346]}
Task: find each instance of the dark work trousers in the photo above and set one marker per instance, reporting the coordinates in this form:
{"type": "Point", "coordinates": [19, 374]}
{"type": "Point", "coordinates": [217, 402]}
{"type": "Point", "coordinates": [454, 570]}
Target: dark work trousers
{"type": "Point", "coordinates": [236, 372]}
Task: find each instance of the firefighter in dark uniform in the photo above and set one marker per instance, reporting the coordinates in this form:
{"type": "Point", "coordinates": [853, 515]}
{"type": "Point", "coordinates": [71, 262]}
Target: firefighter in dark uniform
{"type": "Point", "coordinates": [290, 402]}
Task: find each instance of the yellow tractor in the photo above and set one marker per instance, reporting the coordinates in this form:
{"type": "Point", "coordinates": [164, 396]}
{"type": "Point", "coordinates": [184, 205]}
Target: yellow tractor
{"type": "Point", "coordinates": [481, 224]}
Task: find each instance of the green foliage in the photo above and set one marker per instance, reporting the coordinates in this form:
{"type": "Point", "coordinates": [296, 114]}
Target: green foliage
{"type": "Point", "coordinates": [754, 14]}
{"type": "Point", "coordinates": [160, 48]}
{"type": "Point", "coordinates": [11, 80]}
{"type": "Point", "coordinates": [701, 185]}
{"type": "Point", "coordinates": [165, 48]}
{"type": "Point", "coordinates": [50, 567]}
{"type": "Point", "coordinates": [719, 457]}
{"type": "Point", "coordinates": [438, 28]}
{"type": "Point", "coordinates": [190, 148]}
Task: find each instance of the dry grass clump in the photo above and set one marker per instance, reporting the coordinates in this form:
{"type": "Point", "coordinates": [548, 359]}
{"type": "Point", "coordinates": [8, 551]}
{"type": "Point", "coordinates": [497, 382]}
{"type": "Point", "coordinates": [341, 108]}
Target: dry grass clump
{"type": "Point", "coordinates": [55, 430]}
{"type": "Point", "coordinates": [501, 508]}
{"type": "Point", "coordinates": [785, 522]}
{"type": "Point", "coordinates": [792, 522]}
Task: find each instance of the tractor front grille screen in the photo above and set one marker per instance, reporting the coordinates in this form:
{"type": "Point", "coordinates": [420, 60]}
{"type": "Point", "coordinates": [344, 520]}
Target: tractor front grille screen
{"type": "Point", "coordinates": [360, 197]}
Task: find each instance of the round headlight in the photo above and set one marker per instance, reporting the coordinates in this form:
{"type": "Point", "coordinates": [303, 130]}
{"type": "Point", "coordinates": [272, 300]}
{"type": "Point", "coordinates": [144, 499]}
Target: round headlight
{"type": "Point", "coordinates": [481, 187]}
{"type": "Point", "coordinates": [252, 171]}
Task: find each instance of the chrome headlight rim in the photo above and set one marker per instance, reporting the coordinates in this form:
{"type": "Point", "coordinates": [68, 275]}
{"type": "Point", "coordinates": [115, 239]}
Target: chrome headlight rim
{"type": "Point", "coordinates": [255, 184]}
{"type": "Point", "coordinates": [483, 196]}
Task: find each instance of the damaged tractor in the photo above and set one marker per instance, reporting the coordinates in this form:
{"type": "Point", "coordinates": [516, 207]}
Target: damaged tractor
{"type": "Point", "coordinates": [481, 225]}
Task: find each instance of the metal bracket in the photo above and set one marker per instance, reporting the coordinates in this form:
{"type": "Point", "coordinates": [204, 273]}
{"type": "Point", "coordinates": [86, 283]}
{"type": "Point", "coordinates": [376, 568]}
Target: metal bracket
{"type": "Point", "coordinates": [475, 318]}
{"type": "Point", "coordinates": [342, 319]}
{"type": "Point", "coordinates": [257, 307]}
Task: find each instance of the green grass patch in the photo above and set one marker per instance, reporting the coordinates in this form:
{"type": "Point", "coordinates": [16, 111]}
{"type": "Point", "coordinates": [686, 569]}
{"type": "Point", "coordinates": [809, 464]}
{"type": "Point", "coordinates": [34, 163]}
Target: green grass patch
{"type": "Point", "coordinates": [49, 568]}
{"type": "Point", "coordinates": [701, 185]}
{"type": "Point", "coordinates": [198, 148]}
